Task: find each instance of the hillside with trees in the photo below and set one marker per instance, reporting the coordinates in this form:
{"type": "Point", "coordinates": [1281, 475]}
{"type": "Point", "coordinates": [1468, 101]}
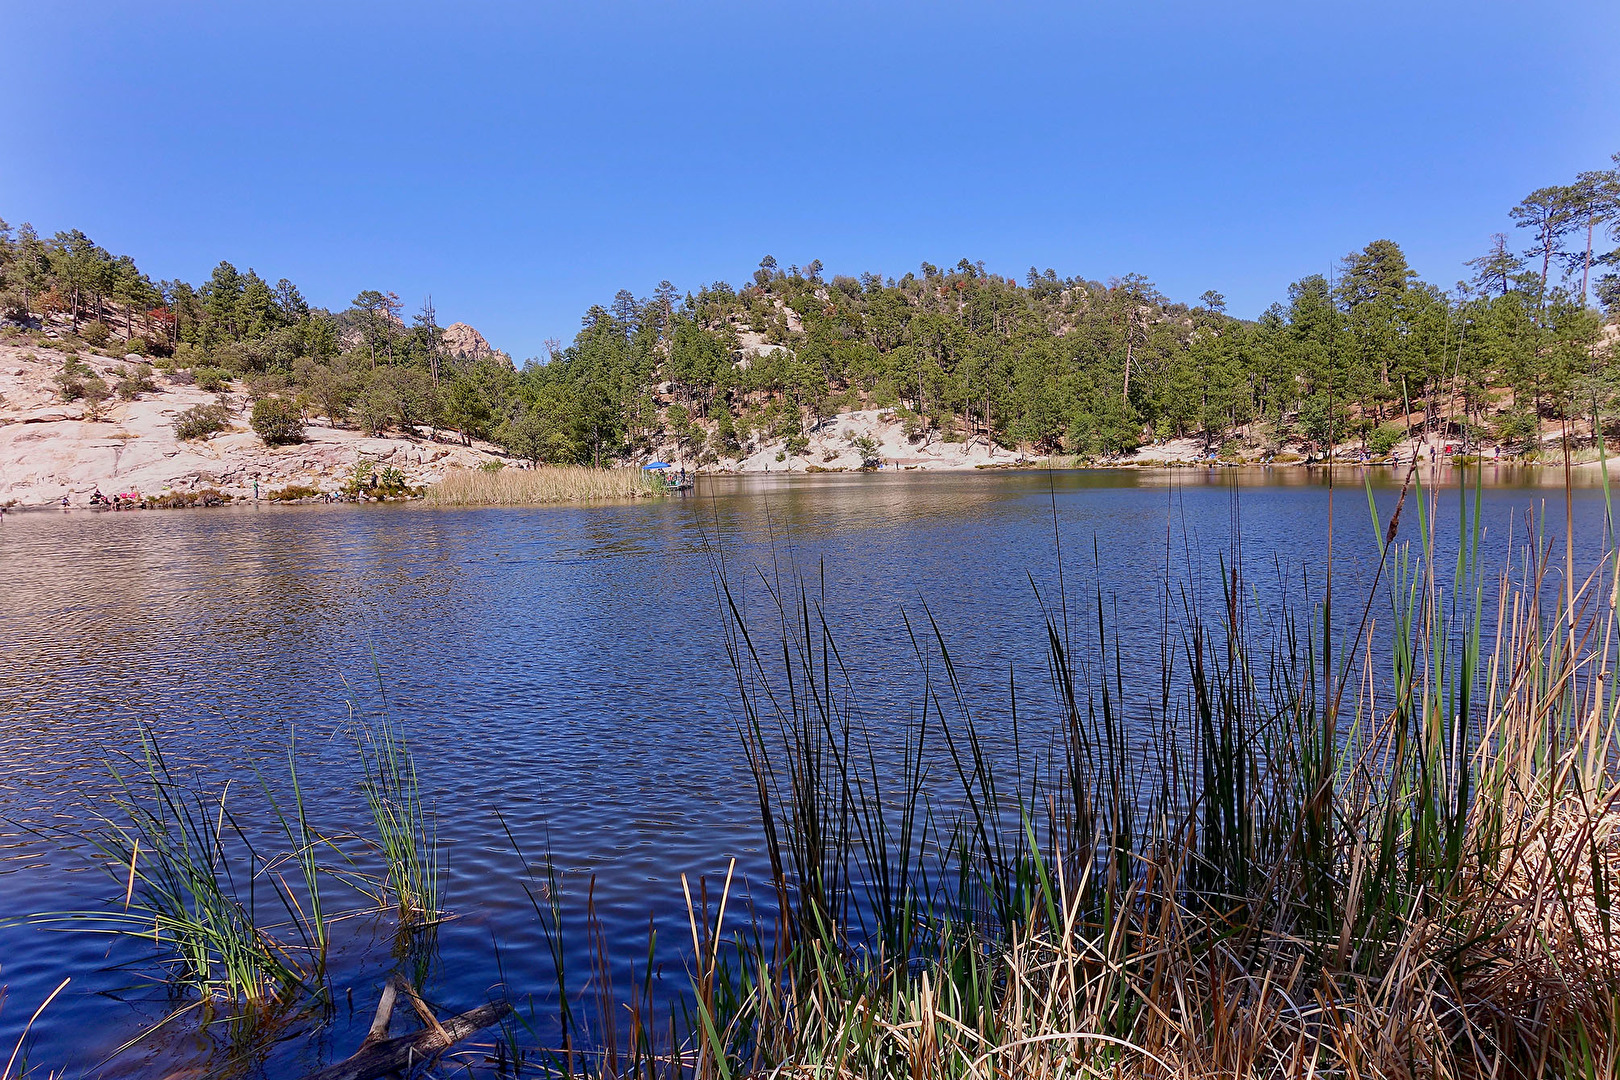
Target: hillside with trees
{"type": "Point", "coordinates": [1366, 355]}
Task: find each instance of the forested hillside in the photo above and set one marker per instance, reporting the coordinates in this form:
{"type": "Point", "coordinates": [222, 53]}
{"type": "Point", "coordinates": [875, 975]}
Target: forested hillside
{"type": "Point", "coordinates": [1048, 363]}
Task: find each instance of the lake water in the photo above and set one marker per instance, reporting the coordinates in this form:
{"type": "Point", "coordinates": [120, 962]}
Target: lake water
{"type": "Point", "coordinates": [562, 674]}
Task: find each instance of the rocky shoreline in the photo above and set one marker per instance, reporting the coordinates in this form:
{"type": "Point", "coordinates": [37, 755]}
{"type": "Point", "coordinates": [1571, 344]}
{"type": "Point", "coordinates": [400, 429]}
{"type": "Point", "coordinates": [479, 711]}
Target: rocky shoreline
{"type": "Point", "coordinates": [51, 449]}
{"type": "Point", "coordinates": [126, 448]}
{"type": "Point", "coordinates": [871, 439]}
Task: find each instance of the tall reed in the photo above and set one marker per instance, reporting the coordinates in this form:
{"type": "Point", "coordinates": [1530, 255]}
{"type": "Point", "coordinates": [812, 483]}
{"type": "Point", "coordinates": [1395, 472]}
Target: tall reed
{"type": "Point", "coordinates": [228, 926]}
{"type": "Point", "coordinates": [546, 484]}
{"type": "Point", "coordinates": [236, 924]}
{"type": "Point", "coordinates": [406, 833]}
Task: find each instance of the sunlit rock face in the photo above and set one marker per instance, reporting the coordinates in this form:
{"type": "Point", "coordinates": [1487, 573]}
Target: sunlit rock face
{"type": "Point", "coordinates": [465, 342]}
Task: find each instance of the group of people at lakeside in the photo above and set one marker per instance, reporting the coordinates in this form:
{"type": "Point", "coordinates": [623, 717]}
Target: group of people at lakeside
{"type": "Point", "coordinates": [124, 500]}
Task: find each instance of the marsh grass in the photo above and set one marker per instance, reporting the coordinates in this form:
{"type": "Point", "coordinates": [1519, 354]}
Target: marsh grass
{"type": "Point", "coordinates": [238, 917]}
{"type": "Point", "coordinates": [405, 830]}
{"type": "Point", "coordinates": [546, 484]}
{"type": "Point", "coordinates": [194, 885]}
{"type": "Point", "coordinates": [1290, 851]}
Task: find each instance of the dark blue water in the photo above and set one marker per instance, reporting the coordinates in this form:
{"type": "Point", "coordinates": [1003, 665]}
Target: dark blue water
{"type": "Point", "coordinates": [562, 674]}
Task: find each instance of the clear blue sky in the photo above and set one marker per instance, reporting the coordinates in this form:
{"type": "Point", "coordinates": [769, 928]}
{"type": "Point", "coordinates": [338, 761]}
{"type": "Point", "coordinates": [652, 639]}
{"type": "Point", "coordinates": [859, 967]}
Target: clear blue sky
{"type": "Point", "coordinates": [521, 161]}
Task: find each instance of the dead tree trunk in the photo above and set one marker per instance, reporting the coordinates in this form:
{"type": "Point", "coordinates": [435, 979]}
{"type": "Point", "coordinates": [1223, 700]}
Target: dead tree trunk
{"type": "Point", "coordinates": [378, 1055]}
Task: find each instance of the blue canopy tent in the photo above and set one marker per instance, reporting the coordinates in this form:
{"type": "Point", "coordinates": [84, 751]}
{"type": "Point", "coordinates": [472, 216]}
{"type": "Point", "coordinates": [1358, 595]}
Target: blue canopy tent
{"type": "Point", "coordinates": [658, 465]}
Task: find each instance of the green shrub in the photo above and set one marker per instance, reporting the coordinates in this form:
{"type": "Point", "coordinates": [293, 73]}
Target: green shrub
{"type": "Point", "coordinates": [492, 465]}
{"type": "Point", "coordinates": [95, 333]}
{"type": "Point", "coordinates": [391, 481]}
{"type": "Point", "coordinates": [212, 379]}
{"type": "Point", "coordinates": [94, 391]}
{"type": "Point", "coordinates": [70, 381]}
{"type": "Point", "coordinates": [360, 479]}
{"type": "Point", "coordinates": [1383, 440]}
{"type": "Point", "coordinates": [292, 492]}
{"type": "Point", "coordinates": [181, 500]}
{"type": "Point", "coordinates": [231, 357]}
{"type": "Point", "coordinates": [12, 307]}
{"type": "Point", "coordinates": [263, 386]}
{"type": "Point", "coordinates": [136, 381]}
{"type": "Point", "coordinates": [69, 387]}
{"type": "Point", "coordinates": [1517, 429]}
{"type": "Point", "coordinates": [278, 420]}
{"type": "Point", "coordinates": [201, 421]}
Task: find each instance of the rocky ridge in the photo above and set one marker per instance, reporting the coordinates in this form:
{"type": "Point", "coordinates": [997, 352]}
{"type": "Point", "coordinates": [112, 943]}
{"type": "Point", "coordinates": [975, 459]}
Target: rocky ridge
{"type": "Point", "coordinates": [50, 448]}
{"type": "Point", "coordinates": [461, 340]}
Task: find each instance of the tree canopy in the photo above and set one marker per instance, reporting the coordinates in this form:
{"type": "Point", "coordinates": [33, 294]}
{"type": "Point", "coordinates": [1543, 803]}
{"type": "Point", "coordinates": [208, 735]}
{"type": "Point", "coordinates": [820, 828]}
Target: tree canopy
{"type": "Point", "coordinates": [1052, 363]}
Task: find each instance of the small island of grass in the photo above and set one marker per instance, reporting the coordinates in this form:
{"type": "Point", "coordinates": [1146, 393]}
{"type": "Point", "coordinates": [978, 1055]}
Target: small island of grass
{"type": "Point", "coordinates": [546, 484]}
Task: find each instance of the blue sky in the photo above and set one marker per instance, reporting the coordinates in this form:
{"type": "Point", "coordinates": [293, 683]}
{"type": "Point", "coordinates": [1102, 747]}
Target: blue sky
{"type": "Point", "coordinates": [522, 161]}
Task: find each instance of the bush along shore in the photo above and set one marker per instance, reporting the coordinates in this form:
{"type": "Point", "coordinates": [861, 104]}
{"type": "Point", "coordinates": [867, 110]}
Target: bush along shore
{"type": "Point", "coordinates": [1285, 851]}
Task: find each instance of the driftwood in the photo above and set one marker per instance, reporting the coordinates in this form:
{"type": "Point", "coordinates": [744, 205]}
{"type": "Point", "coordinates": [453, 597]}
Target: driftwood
{"type": "Point", "coordinates": [378, 1055]}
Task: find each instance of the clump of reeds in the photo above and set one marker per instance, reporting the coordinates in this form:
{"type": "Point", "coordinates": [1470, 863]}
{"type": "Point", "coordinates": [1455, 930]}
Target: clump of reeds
{"type": "Point", "coordinates": [240, 926]}
{"type": "Point", "coordinates": [192, 883]}
{"type": "Point", "coordinates": [546, 484]}
{"type": "Point", "coordinates": [1281, 855]}
{"type": "Point", "coordinates": [406, 834]}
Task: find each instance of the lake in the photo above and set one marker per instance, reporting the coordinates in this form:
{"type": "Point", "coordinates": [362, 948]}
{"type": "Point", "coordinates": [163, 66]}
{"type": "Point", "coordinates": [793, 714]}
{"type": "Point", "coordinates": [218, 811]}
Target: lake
{"type": "Point", "coordinates": [563, 677]}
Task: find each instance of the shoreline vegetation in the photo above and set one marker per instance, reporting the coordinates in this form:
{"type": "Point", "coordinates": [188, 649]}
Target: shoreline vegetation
{"type": "Point", "coordinates": [796, 369]}
{"type": "Point", "coordinates": [1290, 851]}
{"type": "Point", "coordinates": [544, 485]}
{"type": "Point", "coordinates": [493, 483]}
{"type": "Point", "coordinates": [560, 485]}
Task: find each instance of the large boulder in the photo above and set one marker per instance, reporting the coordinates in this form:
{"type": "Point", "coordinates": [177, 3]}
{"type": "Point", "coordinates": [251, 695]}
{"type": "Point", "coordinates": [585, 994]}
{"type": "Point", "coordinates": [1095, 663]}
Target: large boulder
{"type": "Point", "coordinates": [461, 340]}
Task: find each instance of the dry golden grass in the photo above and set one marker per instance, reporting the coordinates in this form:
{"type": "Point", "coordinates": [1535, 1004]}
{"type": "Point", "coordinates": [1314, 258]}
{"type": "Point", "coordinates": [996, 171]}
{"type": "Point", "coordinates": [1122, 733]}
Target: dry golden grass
{"type": "Point", "coordinates": [547, 484]}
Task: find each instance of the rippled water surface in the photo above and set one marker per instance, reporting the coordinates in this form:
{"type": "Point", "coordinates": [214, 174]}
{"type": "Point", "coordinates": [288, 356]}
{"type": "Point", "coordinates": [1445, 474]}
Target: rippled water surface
{"type": "Point", "coordinates": [562, 673]}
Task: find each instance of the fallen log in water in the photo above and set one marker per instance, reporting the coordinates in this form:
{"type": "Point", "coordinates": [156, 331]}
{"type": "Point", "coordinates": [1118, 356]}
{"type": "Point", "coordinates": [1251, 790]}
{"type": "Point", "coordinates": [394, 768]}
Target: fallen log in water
{"type": "Point", "coordinates": [378, 1055]}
